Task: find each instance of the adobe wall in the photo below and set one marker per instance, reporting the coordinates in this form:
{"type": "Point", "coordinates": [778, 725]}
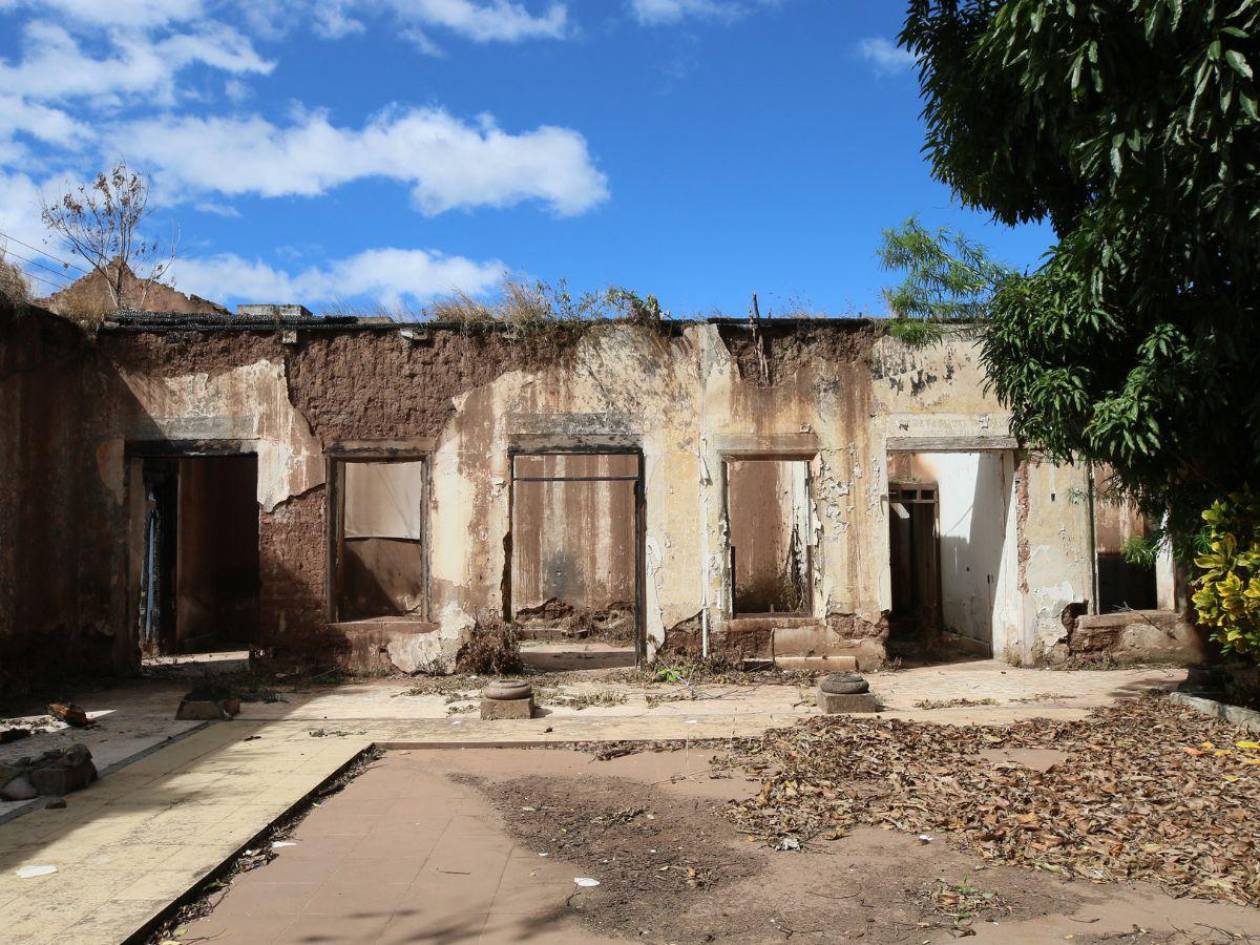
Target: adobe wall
{"type": "Point", "coordinates": [687, 398]}
{"type": "Point", "coordinates": [42, 462]}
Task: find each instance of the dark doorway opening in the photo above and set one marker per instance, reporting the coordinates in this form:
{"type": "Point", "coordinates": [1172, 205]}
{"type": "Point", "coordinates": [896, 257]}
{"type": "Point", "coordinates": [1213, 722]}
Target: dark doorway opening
{"type": "Point", "coordinates": [576, 559]}
{"type": "Point", "coordinates": [199, 573]}
{"type": "Point", "coordinates": [1122, 584]}
{"type": "Point", "coordinates": [916, 566]}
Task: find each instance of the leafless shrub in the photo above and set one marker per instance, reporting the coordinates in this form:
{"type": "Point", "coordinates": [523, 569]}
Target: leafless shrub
{"type": "Point", "coordinates": [494, 649]}
{"type": "Point", "coordinates": [101, 223]}
{"type": "Point", "coordinates": [13, 287]}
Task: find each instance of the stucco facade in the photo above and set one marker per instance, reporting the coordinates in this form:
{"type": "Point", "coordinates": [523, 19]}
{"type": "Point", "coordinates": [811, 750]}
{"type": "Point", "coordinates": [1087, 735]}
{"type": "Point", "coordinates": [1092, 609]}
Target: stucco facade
{"type": "Point", "coordinates": [684, 400]}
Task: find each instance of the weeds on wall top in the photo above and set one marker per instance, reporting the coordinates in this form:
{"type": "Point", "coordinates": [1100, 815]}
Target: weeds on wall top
{"type": "Point", "coordinates": [13, 287]}
{"type": "Point", "coordinates": [547, 318]}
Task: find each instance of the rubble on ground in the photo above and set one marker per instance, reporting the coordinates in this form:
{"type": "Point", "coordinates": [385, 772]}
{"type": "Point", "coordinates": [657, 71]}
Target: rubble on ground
{"type": "Point", "coordinates": [54, 773]}
{"type": "Point", "coordinates": [209, 703]}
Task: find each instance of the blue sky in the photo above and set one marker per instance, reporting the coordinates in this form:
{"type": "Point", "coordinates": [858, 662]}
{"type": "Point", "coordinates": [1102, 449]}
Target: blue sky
{"type": "Point", "coordinates": [384, 152]}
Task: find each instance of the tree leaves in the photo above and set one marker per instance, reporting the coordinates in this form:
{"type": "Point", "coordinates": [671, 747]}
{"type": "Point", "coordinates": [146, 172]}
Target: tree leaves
{"type": "Point", "coordinates": [1135, 130]}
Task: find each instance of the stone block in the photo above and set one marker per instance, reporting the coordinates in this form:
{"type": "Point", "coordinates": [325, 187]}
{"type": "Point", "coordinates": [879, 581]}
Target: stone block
{"type": "Point", "coordinates": [832, 703]}
{"type": "Point", "coordinates": [1137, 636]}
{"type": "Point", "coordinates": [60, 780]}
{"type": "Point", "coordinates": [18, 789]}
{"type": "Point", "coordinates": [507, 708]}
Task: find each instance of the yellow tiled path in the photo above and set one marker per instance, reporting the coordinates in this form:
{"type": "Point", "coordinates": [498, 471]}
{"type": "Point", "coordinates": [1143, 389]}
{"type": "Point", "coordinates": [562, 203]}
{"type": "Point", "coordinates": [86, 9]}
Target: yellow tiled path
{"type": "Point", "coordinates": [127, 847]}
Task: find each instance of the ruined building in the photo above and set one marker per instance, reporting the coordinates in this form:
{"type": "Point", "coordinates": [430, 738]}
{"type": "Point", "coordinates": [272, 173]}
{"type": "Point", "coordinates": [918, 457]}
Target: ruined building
{"type": "Point", "coordinates": [355, 493]}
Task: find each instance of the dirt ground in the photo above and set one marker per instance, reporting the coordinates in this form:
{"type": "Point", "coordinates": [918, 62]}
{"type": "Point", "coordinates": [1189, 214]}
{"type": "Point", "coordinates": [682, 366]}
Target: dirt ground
{"type": "Point", "coordinates": [487, 845]}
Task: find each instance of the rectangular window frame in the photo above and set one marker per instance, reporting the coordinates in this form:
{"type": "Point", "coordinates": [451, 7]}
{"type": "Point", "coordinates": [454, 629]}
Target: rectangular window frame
{"type": "Point", "coordinates": [809, 458]}
{"type": "Point", "coordinates": [336, 458]}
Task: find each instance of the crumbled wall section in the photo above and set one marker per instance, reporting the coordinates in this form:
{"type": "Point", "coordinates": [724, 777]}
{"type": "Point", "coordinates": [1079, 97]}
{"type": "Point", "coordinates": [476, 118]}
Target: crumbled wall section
{"type": "Point", "coordinates": [688, 399]}
{"type": "Point", "coordinates": [382, 386]}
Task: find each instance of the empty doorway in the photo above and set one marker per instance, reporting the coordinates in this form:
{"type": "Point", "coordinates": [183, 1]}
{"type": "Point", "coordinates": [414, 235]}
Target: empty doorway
{"type": "Point", "coordinates": [952, 553]}
{"type": "Point", "coordinates": [199, 567]}
{"type": "Point", "coordinates": [769, 511]}
{"type": "Point", "coordinates": [576, 557]}
{"type": "Point", "coordinates": [916, 560]}
{"type": "Point", "coordinates": [1122, 584]}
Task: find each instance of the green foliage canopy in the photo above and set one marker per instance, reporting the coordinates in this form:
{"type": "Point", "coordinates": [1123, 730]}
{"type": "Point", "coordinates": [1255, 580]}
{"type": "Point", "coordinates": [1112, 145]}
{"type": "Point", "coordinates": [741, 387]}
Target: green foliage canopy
{"type": "Point", "coordinates": [1133, 127]}
{"type": "Point", "coordinates": [947, 276]}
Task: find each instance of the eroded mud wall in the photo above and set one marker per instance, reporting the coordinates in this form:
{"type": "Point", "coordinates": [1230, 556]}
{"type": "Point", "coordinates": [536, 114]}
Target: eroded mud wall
{"type": "Point", "coordinates": [42, 463]}
{"type": "Point", "coordinates": [573, 534]}
{"type": "Point", "coordinates": [688, 400]}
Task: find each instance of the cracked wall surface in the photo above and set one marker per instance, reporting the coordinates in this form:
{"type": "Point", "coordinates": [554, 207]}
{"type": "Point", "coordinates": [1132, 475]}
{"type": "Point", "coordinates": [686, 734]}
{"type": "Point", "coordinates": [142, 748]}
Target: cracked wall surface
{"type": "Point", "coordinates": [689, 398]}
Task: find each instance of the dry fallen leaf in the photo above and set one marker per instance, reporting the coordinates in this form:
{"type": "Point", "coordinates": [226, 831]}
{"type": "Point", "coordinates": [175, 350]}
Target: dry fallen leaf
{"type": "Point", "coordinates": [1120, 807]}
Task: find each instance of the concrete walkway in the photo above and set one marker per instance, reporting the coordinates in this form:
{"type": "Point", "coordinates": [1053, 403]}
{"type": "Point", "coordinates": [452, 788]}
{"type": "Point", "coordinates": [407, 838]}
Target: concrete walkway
{"type": "Point", "coordinates": [127, 847]}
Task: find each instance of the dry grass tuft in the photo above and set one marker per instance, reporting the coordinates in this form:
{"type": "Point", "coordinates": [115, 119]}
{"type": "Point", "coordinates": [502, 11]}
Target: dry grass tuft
{"type": "Point", "coordinates": [494, 649]}
{"type": "Point", "coordinates": [13, 287]}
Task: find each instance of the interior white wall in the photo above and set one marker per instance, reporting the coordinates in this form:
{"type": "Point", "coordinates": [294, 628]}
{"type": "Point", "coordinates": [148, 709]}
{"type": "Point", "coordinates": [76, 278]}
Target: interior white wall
{"type": "Point", "coordinates": [979, 596]}
{"type": "Point", "coordinates": [1165, 580]}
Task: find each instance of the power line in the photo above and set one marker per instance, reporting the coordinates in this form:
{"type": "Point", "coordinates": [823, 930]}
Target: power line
{"type": "Point", "coordinates": [43, 252]}
{"type": "Point", "coordinates": [56, 285]}
{"type": "Point", "coordinates": [36, 262]}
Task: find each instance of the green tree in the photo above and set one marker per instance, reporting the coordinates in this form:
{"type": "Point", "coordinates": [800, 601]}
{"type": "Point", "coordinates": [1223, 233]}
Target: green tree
{"type": "Point", "coordinates": [947, 278]}
{"type": "Point", "coordinates": [1132, 127]}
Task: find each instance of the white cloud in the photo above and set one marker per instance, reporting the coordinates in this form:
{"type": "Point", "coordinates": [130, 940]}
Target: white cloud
{"type": "Point", "coordinates": [487, 22]}
{"type": "Point", "coordinates": [20, 206]}
{"type": "Point", "coordinates": [390, 276]}
{"type": "Point", "coordinates": [20, 223]}
{"type": "Point", "coordinates": [129, 13]}
{"type": "Point", "coordinates": [885, 56]}
{"type": "Point", "coordinates": [656, 12]}
{"type": "Point", "coordinates": [56, 68]}
{"type": "Point", "coordinates": [217, 209]}
{"type": "Point", "coordinates": [666, 12]}
{"type": "Point", "coordinates": [447, 162]}
{"type": "Point", "coordinates": [40, 121]}
{"type": "Point", "coordinates": [237, 90]}
{"type": "Point", "coordinates": [481, 21]}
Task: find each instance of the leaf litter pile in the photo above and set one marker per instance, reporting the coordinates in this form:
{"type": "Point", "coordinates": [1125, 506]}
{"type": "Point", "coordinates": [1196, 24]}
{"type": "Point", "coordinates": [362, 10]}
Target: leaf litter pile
{"type": "Point", "coordinates": [1149, 791]}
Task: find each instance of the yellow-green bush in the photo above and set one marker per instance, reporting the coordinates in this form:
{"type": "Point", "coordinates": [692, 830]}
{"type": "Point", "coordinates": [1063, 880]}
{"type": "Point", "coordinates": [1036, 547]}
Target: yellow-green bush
{"type": "Point", "coordinates": [1228, 595]}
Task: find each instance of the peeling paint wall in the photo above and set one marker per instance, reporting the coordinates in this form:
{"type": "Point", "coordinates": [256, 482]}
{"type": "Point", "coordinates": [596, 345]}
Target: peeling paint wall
{"type": "Point", "coordinates": [573, 533]}
{"type": "Point", "coordinates": [689, 400]}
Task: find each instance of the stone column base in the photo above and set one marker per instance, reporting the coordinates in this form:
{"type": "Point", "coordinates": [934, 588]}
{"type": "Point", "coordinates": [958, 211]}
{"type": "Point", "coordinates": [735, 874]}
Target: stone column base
{"type": "Point", "coordinates": [832, 703]}
{"type": "Point", "coordinates": [507, 708]}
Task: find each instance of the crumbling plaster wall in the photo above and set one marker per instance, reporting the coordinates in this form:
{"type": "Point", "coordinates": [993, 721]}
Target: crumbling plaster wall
{"type": "Point", "coordinates": [621, 387]}
{"type": "Point", "coordinates": [687, 399]}
{"type": "Point", "coordinates": [939, 392]}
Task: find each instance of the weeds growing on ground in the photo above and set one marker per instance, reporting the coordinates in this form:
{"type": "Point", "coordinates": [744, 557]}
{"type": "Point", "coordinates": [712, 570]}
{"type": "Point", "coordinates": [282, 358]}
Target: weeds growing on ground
{"type": "Point", "coordinates": [953, 703]}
